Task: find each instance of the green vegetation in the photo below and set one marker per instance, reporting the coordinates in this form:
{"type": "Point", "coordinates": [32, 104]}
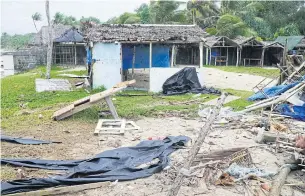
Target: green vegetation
{"type": "Point", "coordinates": [15, 41]}
{"type": "Point", "coordinates": [241, 103]}
{"type": "Point", "coordinates": [21, 105]}
{"type": "Point", "coordinates": [269, 73]}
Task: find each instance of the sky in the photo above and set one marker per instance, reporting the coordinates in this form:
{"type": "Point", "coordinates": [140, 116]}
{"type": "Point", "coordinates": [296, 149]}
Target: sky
{"type": "Point", "coordinates": [16, 14]}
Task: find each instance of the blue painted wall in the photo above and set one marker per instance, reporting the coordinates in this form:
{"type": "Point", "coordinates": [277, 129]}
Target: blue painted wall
{"type": "Point", "coordinates": [160, 56]}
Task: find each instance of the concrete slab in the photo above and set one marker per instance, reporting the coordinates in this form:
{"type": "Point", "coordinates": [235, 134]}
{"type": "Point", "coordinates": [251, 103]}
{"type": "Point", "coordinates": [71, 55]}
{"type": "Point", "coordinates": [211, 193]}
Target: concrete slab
{"type": "Point", "coordinates": [52, 85]}
{"type": "Point", "coordinates": [228, 99]}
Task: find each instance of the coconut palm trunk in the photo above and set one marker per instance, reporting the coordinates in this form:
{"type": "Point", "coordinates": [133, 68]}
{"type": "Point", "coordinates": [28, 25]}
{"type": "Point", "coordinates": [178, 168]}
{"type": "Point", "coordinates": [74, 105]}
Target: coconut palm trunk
{"type": "Point", "coordinates": [50, 42]}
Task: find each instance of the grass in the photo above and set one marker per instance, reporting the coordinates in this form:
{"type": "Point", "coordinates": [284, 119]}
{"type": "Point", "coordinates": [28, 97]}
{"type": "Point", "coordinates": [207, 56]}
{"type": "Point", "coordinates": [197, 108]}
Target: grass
{"type": "Point", "coordinates": [21, 105]}
{"type": "Point", "coordinates": [269, 73]}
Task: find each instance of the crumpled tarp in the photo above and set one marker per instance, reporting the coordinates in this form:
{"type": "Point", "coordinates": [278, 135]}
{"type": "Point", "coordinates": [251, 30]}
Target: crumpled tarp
{"type": "Point", "coordinates": [272, 91]}
{"type": "Point", "coordinates": [244, 172]}
{"type": "Point", "coordinates": [117, 164]}
{"type": "Point", "coordinates": [17, 140]}
{"type": "Point", "coordinates": [296, 112]}
{"type": "Point", "coordinates": [186, 81]}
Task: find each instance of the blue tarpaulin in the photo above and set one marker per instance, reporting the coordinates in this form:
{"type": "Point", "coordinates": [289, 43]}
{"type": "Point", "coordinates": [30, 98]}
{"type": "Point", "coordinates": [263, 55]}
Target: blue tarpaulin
{"type": "Point", "coordinates": [272, 91]}
{"type": "Point", "coordinates": [296, 112]}
{"type": "Point", "coordinates": [160, 56]}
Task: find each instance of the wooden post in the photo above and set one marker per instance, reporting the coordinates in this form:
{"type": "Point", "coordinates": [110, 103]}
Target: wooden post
{"type": "Point", "coordinates": [204, 131]}
{"type": "Point", "coordinates": [150, 55]}
{"type": "Point", "coordinates": [210, 58]}
{"type": "Point", "coordinates": [75, 56]}
{"type": "Point", "coordinates": [227, 56]}
{"type": "Point", "coordinates": [237, 56]}
{"type": "Point", "coordinates": [279, 181]}
{"type": "Point", "coordinates": [111, 107]}
{"type": "Point", "coordinates": [133, 61]}
{"type": "Point", "coordinates": [173, 56]}
{"type": "Point", "coordinates": [206, 55]}
{"type": "Point", "coordinates": [201, 54]}
{"type": "Point", "coordinates": [262, 59]}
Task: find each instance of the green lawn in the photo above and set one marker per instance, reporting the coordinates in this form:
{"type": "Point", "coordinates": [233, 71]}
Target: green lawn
{"type": "Point", "coordinates": [269, 73]}
{"type": "Point", "coordinates": [21, 105]}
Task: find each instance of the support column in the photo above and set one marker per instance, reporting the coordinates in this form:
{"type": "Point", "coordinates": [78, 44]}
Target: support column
{"type": "Point", "coordinates": [206, 55]}
{"type": "Point", "coordinates": [227, 59]}
{"type": "Point", "coordinates": [75, 57]}
{"type": "Point", "coordinates": [173, 55]}
{"type": "Point", "coordinates": [150, 63]}
{"type": "Point", "coordinates": [133, 61]}
{"type": "Point", "coordinates": [237, 56]}
{"type": "Point", "coordinates": [210, 59]}
{"type": "Point", "coordinates": [150, 55]}
{"type": "Point", "coordinates": [263, 56]}
{"type": "Point", "coordinates": [201, 54]}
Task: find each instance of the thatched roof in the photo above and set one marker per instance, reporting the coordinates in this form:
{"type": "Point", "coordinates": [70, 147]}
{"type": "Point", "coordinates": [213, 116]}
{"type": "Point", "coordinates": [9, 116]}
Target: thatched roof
{"type": "Point", "coordinates": [144, 33]}
{"type": "Point", "coordinates": [41, 38]}
{"type": "Point", "coordinates": [214, 41]}
{"type": "Point", "coordinates": [244, 41]}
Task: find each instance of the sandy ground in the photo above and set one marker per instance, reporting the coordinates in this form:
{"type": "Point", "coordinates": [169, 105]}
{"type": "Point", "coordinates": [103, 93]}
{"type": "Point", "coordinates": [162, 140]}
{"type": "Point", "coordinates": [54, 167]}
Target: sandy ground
{"type": "Point", "coordinates": [79, 142]}
{"type": "Point", "coordinates": [238, 81]}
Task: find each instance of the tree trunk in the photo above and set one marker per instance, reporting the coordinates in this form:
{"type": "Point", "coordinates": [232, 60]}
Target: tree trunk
{"type": "Point", "coordinates": [50, 42]}
{"type": "Point", "coordinates": [194, 17]}
{"type": "Point", "coordinates": [35, 25]}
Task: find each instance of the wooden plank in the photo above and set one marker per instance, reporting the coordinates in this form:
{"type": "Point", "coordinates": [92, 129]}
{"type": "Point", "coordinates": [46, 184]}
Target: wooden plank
{"type": "Point", "coordinates": [84, 103]}
{"type": "Point", "coordinates": [111, 107]}
{"type": "Point", "coordinates": [64, 190]}
{"type": "Point", "coordinates": [122, 130]}
{"type": "Point", "coordinates": [98, 126]}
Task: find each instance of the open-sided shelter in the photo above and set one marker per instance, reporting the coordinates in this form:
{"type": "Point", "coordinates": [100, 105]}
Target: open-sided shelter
{"type": "Point", "coordinates": [146, 53]}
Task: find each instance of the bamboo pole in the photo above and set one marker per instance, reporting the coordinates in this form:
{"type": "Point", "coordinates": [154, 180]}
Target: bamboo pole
{"type": "Point", "coordinates": [279, 181]}
{"type": "Point", "coordinates": [204, 131]}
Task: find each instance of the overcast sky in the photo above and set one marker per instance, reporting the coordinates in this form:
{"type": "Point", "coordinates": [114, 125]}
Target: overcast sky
{"type": "Point", "coordinates": [16, 14]}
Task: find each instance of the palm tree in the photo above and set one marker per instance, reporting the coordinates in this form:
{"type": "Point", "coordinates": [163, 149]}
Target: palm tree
{"type": "Point", "coordinates": [50, 42]}
{"type": "Point", "coordinates": [58, 18]}
{"type": "Point", "coordinates": [205, 12]}
{"type": "Point", "coordinates": [36, 17]}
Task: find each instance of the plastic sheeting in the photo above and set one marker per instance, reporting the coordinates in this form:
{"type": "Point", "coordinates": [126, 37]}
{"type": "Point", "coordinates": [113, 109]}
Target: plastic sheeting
{"type": "Point", "coordinates": [118, 164]}
{"type": "Point", "coordinates": [186, 81]}
{"type": "Point", "coordinates": [24, 140]}
{"type": "Point", "coordinates": [244, 172]}
{"type": "Point", "coordinates": [272, 91]}
{"type": "Point", "coordinates": [296, 112]}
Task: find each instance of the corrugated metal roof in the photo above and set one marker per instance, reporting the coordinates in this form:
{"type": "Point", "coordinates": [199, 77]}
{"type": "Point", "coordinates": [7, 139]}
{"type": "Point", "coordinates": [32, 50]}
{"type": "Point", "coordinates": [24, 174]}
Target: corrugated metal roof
{"type": "Point", "coordinates": [292, 41]}
{"type": "Point", "coordinates": [71, 35]}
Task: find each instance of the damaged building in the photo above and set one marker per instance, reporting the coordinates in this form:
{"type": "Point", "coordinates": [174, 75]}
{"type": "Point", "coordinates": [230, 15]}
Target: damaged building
{"type": "Point", "coordinates": [148, 53]}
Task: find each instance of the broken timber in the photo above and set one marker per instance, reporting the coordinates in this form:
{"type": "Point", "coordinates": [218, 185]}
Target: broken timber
{"type": "Point", "coordinates": [87, 102]}
{"type": "Point", "coordinates": [204, 131]}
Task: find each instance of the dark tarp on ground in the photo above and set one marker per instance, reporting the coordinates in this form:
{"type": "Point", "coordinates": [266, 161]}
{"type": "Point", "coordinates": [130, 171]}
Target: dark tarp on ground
{"type": "Point", "coordinates": [117, 164]}
{"type": "Point", "coordinates": [24, 140]}
{"type": "Point", "coordinates": [186, 81]}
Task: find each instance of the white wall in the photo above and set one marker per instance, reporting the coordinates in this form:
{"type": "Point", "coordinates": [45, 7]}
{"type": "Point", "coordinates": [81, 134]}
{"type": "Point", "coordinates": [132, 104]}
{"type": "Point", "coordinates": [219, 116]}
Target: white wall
{"type": "Point", "coordinates": [159, 75]}
{"type": "Point", "coordinates": [107, 68]}
{"type": "Point", "coordinates": [7, 65]}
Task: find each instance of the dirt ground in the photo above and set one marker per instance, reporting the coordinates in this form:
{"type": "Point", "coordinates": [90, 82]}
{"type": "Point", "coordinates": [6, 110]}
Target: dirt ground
{"type": "Point", "coordinates": [78, 142]}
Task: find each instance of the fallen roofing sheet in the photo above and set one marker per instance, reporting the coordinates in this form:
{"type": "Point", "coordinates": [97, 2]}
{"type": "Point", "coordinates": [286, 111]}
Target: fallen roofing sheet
{"type": "Point", "coordinates": [126, 163]}
{"type": "Point", "coordinates": [52, 85]}
{"type": "Point", "coordinates": [17, 140]}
